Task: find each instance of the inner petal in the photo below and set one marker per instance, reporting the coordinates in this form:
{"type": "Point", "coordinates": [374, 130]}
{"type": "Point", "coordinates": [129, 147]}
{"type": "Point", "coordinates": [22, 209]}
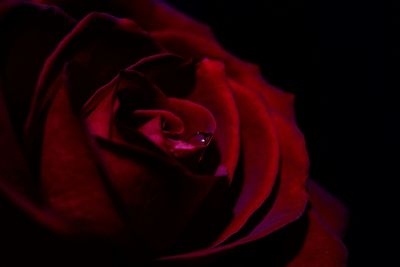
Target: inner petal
{"type": "Point", "coordinates": [196, 118]}
{"type": "Point", "coordinates": [169, 123]}
{"type": "Point", "coordinates": [182, 128]}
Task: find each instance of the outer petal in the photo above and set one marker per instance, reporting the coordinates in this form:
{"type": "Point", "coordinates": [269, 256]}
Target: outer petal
{"type": "Point", "coordinates": [211, 81]}
{"type": "Point", "coordinates": [329, 209]}
{"type": "Point", "coordinates": [260, 158]}
{"type": "Point", "coordinates": [291, 197]}
{"type": "Point", "coordinates": [161, 196]}
{"type": "Point", "coordinates": [171, 73]}
{"type": "Point", "coordinates": [160, 202]}
{"type": "Point", "coordinates": [189, 44]}
{"type": "Point", "coordinates": [320, 247]}
{"type": "Point", "coordinates": [73, 181]}
{"type": "Point", "coordinates": [29, 33]}
{"type": "Point", "coordinates": [16, 183]}
{"type": "Point", "coordinates": [260, 167]}
{"type": "Point", "coordinates": [38, 28]}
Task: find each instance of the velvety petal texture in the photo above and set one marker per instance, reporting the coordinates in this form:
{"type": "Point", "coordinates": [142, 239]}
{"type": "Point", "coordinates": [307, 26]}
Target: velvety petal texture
{"type": "Point", "coordinates": [126, 128]}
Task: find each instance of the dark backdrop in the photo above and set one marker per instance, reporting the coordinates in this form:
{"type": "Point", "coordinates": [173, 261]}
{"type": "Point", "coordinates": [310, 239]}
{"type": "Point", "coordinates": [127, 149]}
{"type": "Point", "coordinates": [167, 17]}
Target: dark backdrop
{"type": "Point", "coordinates": [330, 54]}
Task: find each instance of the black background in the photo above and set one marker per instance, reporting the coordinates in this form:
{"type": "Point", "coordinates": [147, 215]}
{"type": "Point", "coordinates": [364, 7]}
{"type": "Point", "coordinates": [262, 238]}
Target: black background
{"type": "Point", "coordinates": [331, 55]}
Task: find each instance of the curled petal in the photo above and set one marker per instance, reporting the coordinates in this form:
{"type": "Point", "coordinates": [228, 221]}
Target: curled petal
{"type": "Point", "coordinates": [213, 92]}
{"type": "Point", "coordinates": [73, 181]}
{"type": "Point", "coordinates": [97, 49]}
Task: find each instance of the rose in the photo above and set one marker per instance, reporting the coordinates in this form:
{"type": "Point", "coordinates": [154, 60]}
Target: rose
{"type": "Point", "coordinates": [151, 145]}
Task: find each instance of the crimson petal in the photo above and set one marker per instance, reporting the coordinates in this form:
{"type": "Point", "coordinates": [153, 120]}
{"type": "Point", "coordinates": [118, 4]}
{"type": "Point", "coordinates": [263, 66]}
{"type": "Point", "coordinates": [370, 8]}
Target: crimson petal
{"type": "Point", "coordinates": [162, 195]}
{"type": "Point", "coordinates": [320, 247]}
{"type": "Point", "coordinates": [73, 181]}
{"type": "Point", "coordinates": [172, 74]}
{"type": "Point", "coordinates": [97, 48]}
{"type": "Point", "coordinates": [211, 81]}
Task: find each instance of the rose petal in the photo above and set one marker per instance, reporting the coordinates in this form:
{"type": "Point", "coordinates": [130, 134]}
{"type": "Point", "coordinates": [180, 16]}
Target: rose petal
{"type": "Point", "coordinates": [110, 111]}
{"type": "Point", "coordinates": [100, 109]}
{"type": "Point", "coordinates": [114, 103]}
{"type": "Point", "coordinates": [291, 197]}
{"type": "Point", "coordinates": [260, 157]}
{"type": "Point", "coordinates": [320, 247]}
{"type": "Point", "coordinates": [172, 74]}
{"type": "Point", "coordinates": [329, 209]}
{"type": "Point", "coordinates": [260, 164]}
{"type": "Point", "coordinates": [162, 196]}
{"type": "Point", "coordinates": [173, 124]}
{"type": "Point", "coordinates": [16, 183]}
{"type": "Point", "coordinates": [189, 44]}
{"type": "Point", "coordinates": [72, 178]}
{"type": "Point", "coordinates": [98, 48]}
{"type": "Point", "coordinates": [195, 117]}
{"type": "Point", "coordinates": [280, 101]}
{"type": "Point", "coordinates": [213, 92]}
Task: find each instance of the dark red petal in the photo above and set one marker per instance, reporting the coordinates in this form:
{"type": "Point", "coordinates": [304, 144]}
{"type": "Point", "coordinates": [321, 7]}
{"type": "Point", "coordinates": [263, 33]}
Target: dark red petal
{"type": "Point", "coordinates": [29, 33]}
{"type": "Point", "coordinates": [195, 117]}
{"type": "Point", "coordinates": [172, 74]}
{"type": "Point", "coordinates": [261, 158]}
{"type": "Point", "coordinates": [152, 129]}
{"type": "Point", "coordinates": [213, 92]}
{"type": "Point", "coordinates": [291, 197]}
{"type": "Point", "coordinates": [161, 195]}
{"type": "Point", "coordinates": [173, 124]}
{"type": "Point", "coordinates": [16, 183]}
{"type": "Point", "coordinates": [100, 109]}
{"type": "Point", "coordinates": [72, 178]}
{"type": "Point", "coordinates": [97, 49]}
{"type": "Point", "coordinates": [189, 44]}
{"type": "Point", "coordinates": [277, 100]}
{"type": "Point", "coordinates": [260, 152]}
{"type": "Point", "coordinates": [320, 247]}
{"type": "Point", "coordinates": [327, 221]}
{"type": "Point", "coordinates": [331, 211]}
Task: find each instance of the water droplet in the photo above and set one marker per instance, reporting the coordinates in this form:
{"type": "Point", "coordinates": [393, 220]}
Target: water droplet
{"type": "Point", "coordinates": [201, 139]}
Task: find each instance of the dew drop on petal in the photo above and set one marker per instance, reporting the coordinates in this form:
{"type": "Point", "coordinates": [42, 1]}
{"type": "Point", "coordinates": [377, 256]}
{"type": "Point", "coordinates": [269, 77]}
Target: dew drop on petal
{"type": "Point", "coordinates": [201, 139]}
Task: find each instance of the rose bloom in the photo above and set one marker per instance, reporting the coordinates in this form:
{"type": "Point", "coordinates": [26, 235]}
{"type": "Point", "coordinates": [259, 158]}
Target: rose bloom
{"type": "Point", "coordinates": [130, 137]}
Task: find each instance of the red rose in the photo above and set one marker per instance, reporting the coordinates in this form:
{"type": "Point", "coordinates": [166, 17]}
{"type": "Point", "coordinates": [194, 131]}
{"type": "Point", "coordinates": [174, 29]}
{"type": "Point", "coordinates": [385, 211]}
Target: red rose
{"type": "Point", "coordinates": [129, 135]}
